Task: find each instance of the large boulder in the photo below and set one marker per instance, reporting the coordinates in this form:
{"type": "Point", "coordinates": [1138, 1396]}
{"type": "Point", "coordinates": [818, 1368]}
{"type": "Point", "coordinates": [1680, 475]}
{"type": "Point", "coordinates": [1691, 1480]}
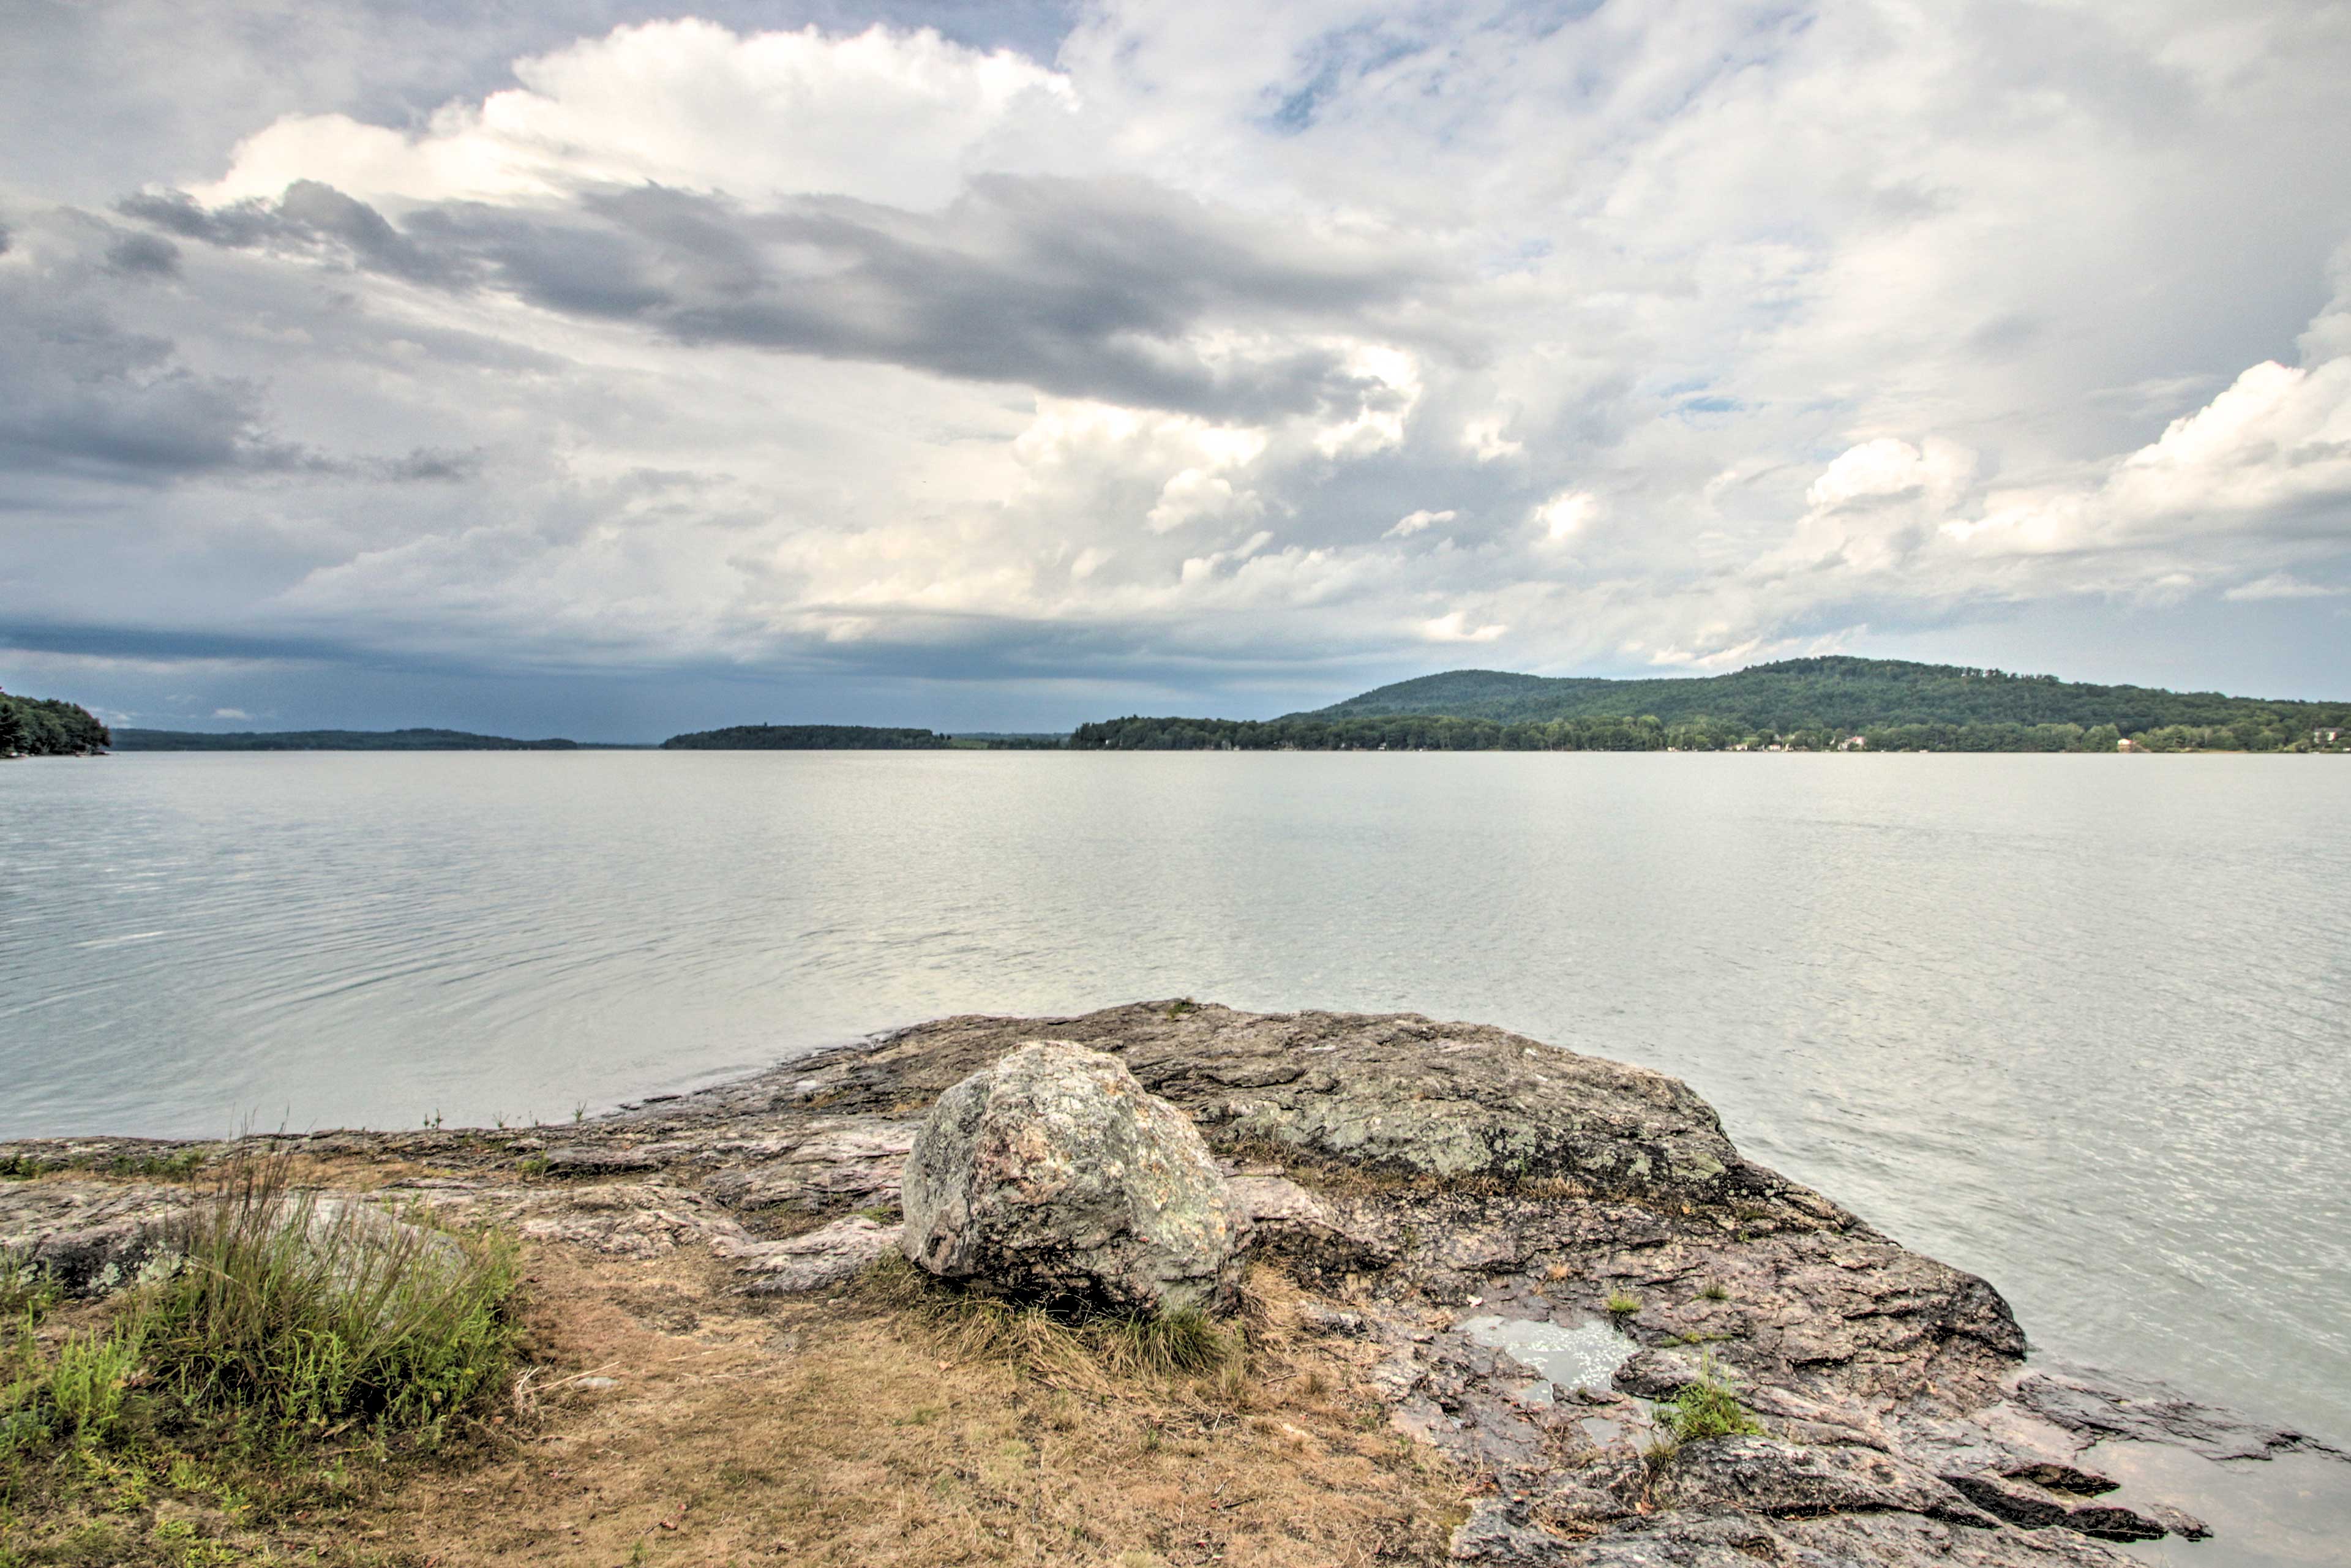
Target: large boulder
{"type": "Point", "coordinates": [1054, 1175]}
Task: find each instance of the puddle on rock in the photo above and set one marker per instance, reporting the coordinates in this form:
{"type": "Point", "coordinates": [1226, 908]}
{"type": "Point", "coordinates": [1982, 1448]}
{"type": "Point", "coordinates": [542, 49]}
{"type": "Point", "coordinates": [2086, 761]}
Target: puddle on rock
{"type": "Point", "coordinates": [1585, 1357]}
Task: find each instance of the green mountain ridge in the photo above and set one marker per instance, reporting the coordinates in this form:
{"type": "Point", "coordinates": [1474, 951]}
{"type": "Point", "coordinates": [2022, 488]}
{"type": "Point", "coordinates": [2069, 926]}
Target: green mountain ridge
{"type": "Point", "coordinates": [1807, 704]}
{"type": "Point", "coordinates": [1832, 692]}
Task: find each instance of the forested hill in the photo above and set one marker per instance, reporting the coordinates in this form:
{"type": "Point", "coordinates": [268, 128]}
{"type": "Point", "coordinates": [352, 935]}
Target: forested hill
{"type": "Point", "coordinates": [1835, 693]}
{"type": "Point", "coordinates": [327, 740]}
{"type": "Point", "coordinates": [805, 738]}
{"type": "Point", "coordinates": [45, 727]}
{"type": "Point", "coordinates": [1804, 704]}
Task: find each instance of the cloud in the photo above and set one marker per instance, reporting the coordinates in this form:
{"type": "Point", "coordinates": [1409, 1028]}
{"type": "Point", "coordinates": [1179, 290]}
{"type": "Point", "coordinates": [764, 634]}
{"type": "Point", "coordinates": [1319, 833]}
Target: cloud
{"type": "Point", "coordinates": [136, 254]}
{"type": "Point", "coordinates": [1411, 523]}
{"type": "Point", "coordinates": [1153, 348]}
{"type": "Point", "coordinates": [883, 116]}
{"type": "Point", "coordinates": [84, 394]}
{"type": "Point", "coordinates": [1454, 627]}
{"type": "Point", "coordinates": [1102, 289]}
{"type": "Point", "coordinates": [1567, 514]}
{"type": "Point", "coordinates": [2268, 461]}
{"type": "Point", "coordinates": [1887, 469]}
{"type": "Point", "coordinates": [2280, 585]}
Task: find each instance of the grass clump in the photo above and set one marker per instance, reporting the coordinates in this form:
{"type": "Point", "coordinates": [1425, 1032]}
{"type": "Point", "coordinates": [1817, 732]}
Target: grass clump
{"type": "Point", "coordinates": [1622, 1303]}
{"type": "Point", "coordinates": [1714, 1291]}
{"type": "Point", "coordinates": [26, 1291]}
{"type": "Point", "coordinates": [77, 1397]}
{"type": "Point", "coordinates": [276, 1319]}
{"type": "Point", "coordinates": [1091, 1351]}
{"type": "Point", "coordinates": [1708, 1408]}
{"type": "Point", "coordinates": [301, 1316]}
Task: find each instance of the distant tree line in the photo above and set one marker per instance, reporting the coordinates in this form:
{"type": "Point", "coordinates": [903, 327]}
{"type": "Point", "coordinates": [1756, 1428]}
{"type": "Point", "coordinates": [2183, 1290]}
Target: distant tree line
{"type": "Point", "coordinates": [1646, 732]}
{"type": "Point", "coordinates": [1794, 704]}
{"type": "Point", "coordinates": [44, 726]}
{"type": "Point", "coordinates": [806, 737]}
{"type": "Point", "coordinates": [128, 740]}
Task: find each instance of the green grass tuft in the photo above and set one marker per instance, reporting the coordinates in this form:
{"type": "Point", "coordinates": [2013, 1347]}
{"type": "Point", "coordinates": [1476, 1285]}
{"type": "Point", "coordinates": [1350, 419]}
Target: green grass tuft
{"type": "Point", "coordinates": [1622, 1303]}
{"type": "Point", "coordinates": [309, 1318]}
{"type": "Point", "coordinates": [26, 1291]}
{"type": "Point", "coordinates": [284, 1321]}
{"type": "Point", "coordinates": [1708, 1408]}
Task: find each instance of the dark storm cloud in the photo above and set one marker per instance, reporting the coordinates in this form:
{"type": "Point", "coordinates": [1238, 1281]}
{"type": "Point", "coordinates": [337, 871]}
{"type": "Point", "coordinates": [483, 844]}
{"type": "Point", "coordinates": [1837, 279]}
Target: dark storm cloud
{"type": "Point", "coordinates": [309, 216]}
{"type": "Point", "coordinates": [79, 395]}
{"type": "Point", "coordinates": [143, 256]}
{"type": "Point", "coordinates": [167, 645]}
{"type": "Point", "coordinates": [1084, 289]}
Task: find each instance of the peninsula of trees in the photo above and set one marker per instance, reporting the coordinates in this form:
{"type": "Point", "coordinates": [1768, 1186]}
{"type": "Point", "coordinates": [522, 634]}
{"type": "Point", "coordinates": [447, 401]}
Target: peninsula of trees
{"type": "Point", "coordinates": [327, 740]}
{"type": "Point", "coordinates": [44, 726]}
{"type": "Point", "coordinates": [806, 737]}
{"type": "Point", "coordinates": [1801, 705]}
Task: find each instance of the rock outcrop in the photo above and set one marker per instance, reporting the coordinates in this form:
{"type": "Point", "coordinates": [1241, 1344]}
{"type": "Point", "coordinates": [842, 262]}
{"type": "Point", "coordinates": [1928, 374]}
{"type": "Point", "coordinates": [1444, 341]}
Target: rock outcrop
{"type": "Point", "coordinates": [1053, 1175]}
{"type": "Point", "coordinates": [1420, 1182]}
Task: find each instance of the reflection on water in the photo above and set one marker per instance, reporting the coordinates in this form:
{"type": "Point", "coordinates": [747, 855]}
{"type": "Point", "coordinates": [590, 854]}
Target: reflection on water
{"type": "Point", "coordinates": [2293, 1511]}
{"type": "Point", "coordinates": [2079, 1024]}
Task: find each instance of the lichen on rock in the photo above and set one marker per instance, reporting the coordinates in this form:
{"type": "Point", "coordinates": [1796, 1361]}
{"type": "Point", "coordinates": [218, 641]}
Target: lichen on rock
{"type": "Point", "coordinates": [1054, 1173]}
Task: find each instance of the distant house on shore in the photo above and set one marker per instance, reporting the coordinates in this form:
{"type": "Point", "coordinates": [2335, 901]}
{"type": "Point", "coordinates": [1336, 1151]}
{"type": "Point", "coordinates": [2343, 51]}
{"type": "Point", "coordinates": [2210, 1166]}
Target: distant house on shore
{"type": "Point", "coordinates": [2326, 737]}
{"type": "Point", "coordinates": [1853, 743]}
{"type": "Point", "coordinates": [2127, 744]}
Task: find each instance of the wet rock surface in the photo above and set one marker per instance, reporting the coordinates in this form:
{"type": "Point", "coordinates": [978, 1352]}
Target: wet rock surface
{"type": "Point", "coordinates": [1423, 1181]}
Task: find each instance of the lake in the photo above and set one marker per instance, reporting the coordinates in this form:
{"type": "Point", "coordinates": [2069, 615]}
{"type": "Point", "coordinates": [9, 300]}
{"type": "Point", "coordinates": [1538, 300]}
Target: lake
{"type": "Point", "coordinates": [2081, 1024]}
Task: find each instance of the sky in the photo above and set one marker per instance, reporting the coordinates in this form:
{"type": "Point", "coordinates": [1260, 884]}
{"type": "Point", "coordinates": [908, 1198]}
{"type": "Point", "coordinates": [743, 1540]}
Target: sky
{"type": "Point", "coordinates": [587, 368]}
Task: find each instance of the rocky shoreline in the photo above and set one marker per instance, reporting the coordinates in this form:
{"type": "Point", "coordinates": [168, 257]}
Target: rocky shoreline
{"type": "Point", "coordinates": [1527, 1249]}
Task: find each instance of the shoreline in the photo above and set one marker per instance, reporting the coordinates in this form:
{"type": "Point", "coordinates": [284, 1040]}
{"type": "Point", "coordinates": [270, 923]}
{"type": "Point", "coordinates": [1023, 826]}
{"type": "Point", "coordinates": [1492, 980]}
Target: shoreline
{"type": "Point", "coordinates": [1377, 1152]}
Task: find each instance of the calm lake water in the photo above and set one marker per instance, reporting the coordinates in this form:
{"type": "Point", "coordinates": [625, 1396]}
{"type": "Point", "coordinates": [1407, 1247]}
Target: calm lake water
{"type": "Point", "coordinates": [2080, 1024]}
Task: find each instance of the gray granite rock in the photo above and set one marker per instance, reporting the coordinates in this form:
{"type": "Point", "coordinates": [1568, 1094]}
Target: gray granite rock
{"type": "Point", "coordinates": [828, 1256]}
{"type": "Point", "coordinates": [1771, 1476]}
{"type": "Point", "coordinates": [1053, 1174]}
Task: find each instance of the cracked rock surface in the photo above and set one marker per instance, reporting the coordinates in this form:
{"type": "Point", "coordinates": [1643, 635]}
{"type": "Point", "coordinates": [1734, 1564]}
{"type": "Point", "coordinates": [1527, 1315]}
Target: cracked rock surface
{"type": "Point", "coordinates": [1415, 1177]}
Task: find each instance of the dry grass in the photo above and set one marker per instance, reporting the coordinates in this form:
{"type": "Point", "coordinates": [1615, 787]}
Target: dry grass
{"type": "Point", "coordinates": [871, 1432]}
{"type": "Point", "coordinates": [889, 1425]}
{"type": "Point", "coordinates": [864, 1431]}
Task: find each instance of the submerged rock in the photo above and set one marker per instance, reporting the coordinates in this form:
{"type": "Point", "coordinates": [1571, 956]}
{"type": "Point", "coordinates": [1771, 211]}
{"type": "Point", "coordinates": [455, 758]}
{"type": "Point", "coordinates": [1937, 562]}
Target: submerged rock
{"type": "Point", "coordinates": [1053, 1174]}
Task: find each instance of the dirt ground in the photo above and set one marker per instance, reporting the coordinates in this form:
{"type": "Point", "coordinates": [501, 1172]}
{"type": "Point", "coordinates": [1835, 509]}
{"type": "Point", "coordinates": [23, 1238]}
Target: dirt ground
{"type": "Point", "coordinates": [667, 1419]}
{"type": "Point", "coordinates": [844, 1432]}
